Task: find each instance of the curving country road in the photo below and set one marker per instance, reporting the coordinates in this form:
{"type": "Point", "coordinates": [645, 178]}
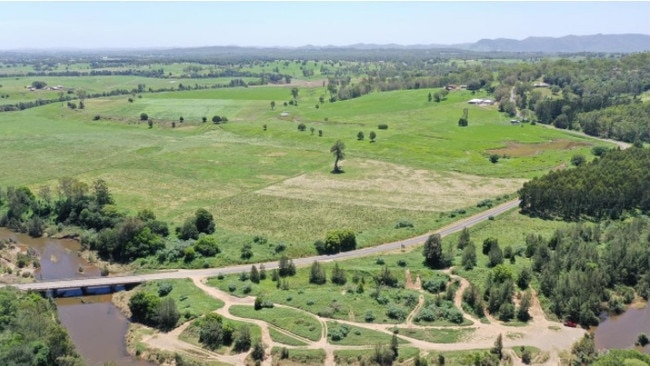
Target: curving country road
{"type": "Point", "coordinates": [185, 273]}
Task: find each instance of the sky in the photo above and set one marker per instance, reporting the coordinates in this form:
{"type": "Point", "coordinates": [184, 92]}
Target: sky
{"type": "Point", "coordinates": [156, 24]}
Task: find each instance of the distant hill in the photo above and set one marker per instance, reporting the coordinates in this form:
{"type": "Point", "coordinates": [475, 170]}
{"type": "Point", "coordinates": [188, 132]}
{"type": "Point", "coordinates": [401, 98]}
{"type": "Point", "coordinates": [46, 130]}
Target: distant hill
{"type": "Point", "coordinates": [624, 43]}
{"type": "Point", "coordinates": [598, 43]}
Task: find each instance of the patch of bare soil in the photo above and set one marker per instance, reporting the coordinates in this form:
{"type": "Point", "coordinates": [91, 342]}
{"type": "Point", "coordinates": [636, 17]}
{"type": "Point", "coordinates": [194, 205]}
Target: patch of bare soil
{"type": "Point", "coordinates": [380, 184]}
{"type": "Point", "coordinates": [410, 284]}
{"type": "Point", "coordinates": [517, 149]}
{"type": "Point", "coordinates": [17, 263]}
{"type": "Point", "coordinates": [113, 268]}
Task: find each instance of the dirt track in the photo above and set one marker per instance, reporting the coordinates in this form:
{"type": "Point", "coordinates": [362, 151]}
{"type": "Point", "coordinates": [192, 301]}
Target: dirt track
{"type": "Point", "coordinates": [550, 337]}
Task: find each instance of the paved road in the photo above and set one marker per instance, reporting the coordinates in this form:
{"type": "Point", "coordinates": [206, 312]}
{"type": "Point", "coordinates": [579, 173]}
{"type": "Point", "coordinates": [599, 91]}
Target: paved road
{"type": "Point", "coordinates": [183, 273]}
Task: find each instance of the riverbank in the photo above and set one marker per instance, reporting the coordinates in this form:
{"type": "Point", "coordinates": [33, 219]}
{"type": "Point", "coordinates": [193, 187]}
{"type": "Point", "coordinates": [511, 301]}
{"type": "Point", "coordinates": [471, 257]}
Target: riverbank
{"type": "Point", "coordinates": [18, 262]}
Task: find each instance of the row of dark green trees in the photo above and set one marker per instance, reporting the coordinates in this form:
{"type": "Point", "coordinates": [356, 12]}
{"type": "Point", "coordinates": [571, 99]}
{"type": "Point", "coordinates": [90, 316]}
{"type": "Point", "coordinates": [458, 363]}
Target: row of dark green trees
{"type": "Point", "coordinates": [116, 236]}
{"type": "Point", "coordinates": [590, 268]}
{"type": "Point", "coordinates": [615, 183]}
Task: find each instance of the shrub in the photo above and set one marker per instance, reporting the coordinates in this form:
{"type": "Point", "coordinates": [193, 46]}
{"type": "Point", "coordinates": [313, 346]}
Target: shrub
{"type": "Point", "coordinates": [207, 246]}
{"type": "Point", "coordinates": [302, 127]}
{"type": "Point", "coordinates": [485, 203]}
{"type": "Point", "coordinates": [382, 126]}
{"type": "Point", "coordinates": [427, 315]}
{"type": "Point", "coordinates": [526, 357]}
{"type": "Point", "coordinates": [280, 247]}
{"type": "Point", "coordinates": [164, 289]}
{"type": "Point", "coordinates": [97, 117]}
{"type": "Point", "coordinates": [435, 286]}
{"type": "Point", "coordinates": [369, 316]}
{"type": "Point", "coordinates": [403, 223]}
{"type": "Point", "coordinates": [577, 160]}
{"type": "Point", "coordinates": [396, 312]}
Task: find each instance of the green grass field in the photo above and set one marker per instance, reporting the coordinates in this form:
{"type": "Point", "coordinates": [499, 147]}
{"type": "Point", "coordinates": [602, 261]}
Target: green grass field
{"type": "Point", "coordinates": [293, 321]}
{"type": "Point", "coordinates": [276, 183]}
{"type": "Point", "coordinates": [280, 337]}
{"type": "Point", "coordinates": [190, 300]}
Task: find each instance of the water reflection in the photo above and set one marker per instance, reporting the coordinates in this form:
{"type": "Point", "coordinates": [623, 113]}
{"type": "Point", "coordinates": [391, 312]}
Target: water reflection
{"type": "Point", "coordinates": [97, 328]}
{"type": "Point", "coordinates": [622, 331]}
{"type": "Point", "coordinates": [95, 325]}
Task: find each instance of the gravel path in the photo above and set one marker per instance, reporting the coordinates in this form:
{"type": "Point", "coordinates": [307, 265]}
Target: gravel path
{"type": "Point", "coordinates": [546, 335]}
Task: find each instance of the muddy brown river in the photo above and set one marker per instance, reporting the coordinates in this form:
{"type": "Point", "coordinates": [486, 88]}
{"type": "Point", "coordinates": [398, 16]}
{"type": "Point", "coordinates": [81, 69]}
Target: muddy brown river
{"type": "Point", "coordinates": [95, 325]}
{"type": "Point", "coordinates": [98, 328]}
{"type": "Point", "coordinates": [622, 331]}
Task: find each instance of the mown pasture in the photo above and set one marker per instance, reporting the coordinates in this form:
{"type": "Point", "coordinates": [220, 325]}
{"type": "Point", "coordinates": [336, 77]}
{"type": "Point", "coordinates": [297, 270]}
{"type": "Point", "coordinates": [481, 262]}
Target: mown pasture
{"type": "Point", "coordinates": [259, 175]}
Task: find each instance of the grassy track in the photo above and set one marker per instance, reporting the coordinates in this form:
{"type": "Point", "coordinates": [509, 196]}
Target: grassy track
{"type": "Point", "coordinates": [358, 336]}
{"type": "Point", "coordinates": [280, 337]}
{"type": "Point", "coordinates": [436, 335]}
{"type": "Point", "coordinates": [291, 320]}
{"type": "Point", "coordinates": [351, 356]}
{"type": "Point", "coordinates": [299, 357]}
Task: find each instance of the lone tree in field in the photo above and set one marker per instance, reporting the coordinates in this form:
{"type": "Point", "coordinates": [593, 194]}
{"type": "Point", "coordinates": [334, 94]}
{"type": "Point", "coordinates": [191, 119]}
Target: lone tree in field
{"type": "Point", "coordinates": [144, 117]}
{"type": "Point", "coordinates": [294, 93]}
{"type": "Point", "coordinates": [337, 151]}
{"type": "Point", "coordinates": [432, 252]}
{"type": "Point", "coordinates": [373, 136]}
{"type": "Point", "coordinates": [272, 104]}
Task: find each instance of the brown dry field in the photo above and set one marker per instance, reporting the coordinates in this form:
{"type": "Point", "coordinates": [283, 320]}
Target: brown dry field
{"type": "Point", "coordinates": [517, 149]}
{"type": "Point", "coordinates": [380, 184]}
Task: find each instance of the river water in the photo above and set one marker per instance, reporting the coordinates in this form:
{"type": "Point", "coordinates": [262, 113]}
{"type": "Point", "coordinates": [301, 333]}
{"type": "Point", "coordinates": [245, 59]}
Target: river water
{"type": "Point", "coordinates": [95, 325]}
{"type": "Point", "coordinates": [622, 331]}
{"type": "Point", "coordinates": [98, 328]}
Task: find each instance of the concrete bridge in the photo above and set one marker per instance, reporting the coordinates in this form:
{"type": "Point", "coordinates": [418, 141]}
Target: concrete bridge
{"type": "Point", "coordinates": [95, 282]}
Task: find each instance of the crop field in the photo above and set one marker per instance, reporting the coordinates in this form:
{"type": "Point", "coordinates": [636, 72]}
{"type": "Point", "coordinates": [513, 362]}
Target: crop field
{"type": "Point", "coordinates": [259, 175]}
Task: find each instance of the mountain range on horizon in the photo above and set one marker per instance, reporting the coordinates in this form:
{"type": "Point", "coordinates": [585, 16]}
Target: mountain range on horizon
{"type": "Point", "coordinates": [608, 43]}
{"type": "Point", "coordinates": [597, 43]}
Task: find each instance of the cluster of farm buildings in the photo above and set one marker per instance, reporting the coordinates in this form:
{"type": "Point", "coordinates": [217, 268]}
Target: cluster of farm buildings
{"type": "Point", "coordinates": [481, 101]}
{"type": "Point", "coordinates": [58, 87]}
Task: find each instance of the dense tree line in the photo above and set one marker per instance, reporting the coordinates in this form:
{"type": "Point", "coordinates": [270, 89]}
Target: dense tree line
{"type": "Point", "coordinates": [584, 270]}
{"type": "Point", "coordinates": [157, 73]}
{"type": "Point", "coordinates": [629, 122]}
{"type": "Point", "coordinates": [582, 87]}
{"type": "Point", "coordinates": [30, 333]}
{"type": "Point", "coordinates": [617, 182]}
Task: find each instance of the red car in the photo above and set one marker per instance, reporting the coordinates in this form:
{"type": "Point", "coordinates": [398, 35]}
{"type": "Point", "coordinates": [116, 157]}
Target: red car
{"type": "Point", "coordinates": [570, 323]}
